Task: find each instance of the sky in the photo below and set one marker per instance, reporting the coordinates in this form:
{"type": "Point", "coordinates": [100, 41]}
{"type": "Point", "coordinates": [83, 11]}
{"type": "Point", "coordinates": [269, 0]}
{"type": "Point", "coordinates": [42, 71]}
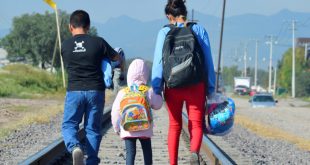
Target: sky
{"type": "Point", "coordinates": [145, 10]}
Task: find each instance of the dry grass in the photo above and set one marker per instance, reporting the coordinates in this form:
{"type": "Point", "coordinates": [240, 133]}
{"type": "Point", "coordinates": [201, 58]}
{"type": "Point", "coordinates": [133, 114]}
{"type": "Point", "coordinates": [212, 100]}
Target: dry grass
{"type": "Point", "coordinates": [26, 114]}
{"type": "Point", "coordinates": [29, 115]}
{"type": "Point", "coordinates": [42, 116]}
{"type": "Point", "coordinates": [272, 132]}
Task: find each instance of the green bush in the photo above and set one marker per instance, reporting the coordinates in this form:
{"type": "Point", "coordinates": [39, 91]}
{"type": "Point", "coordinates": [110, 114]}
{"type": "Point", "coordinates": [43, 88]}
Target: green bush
{"type": "Point", "coordinates": [19, 80]}
{"type": "Point", "coordinates": [303, 84]}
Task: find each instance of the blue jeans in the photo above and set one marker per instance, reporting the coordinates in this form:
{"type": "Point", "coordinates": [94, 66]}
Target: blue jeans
{"type": "Point", "coordinates": [131, 150]}
{"type": "Point", "coordinates": [90, 104]}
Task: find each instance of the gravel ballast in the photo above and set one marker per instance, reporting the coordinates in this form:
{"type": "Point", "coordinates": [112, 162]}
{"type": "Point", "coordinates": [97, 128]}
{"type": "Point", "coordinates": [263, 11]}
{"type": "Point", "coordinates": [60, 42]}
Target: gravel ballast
{"type": "Point", "coordinates": [265, 151]}
{"type": "Point", "coordinates": [28, 140]}
{"type": "Point", "coordinates": [260, 150]}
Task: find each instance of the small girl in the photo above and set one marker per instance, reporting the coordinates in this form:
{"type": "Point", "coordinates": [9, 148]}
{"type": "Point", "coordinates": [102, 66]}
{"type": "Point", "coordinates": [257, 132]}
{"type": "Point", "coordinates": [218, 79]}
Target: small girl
{"type": "Point", "coordinates": [138, 74]}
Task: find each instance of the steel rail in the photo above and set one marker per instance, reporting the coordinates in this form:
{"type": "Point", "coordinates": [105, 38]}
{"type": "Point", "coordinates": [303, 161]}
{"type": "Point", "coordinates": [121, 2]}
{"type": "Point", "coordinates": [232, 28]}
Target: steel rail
{"type": "Point", "coordinates": [56, 149]}
{"type": "Point", "coordinates": [214, 153]}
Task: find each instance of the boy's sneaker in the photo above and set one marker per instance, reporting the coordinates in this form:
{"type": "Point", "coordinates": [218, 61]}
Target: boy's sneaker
{"type": "Point", "coordinates": [77, 156]}
{"type": "Point", "coordinates": [194, 159]}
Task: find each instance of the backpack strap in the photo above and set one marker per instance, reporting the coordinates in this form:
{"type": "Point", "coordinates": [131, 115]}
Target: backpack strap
{"type": "Point", "coordinates": [170, 26]}
{"type": "Point", "coordinates": [190, 24]}
{"type": "Point", "coordinates": [134, 87]}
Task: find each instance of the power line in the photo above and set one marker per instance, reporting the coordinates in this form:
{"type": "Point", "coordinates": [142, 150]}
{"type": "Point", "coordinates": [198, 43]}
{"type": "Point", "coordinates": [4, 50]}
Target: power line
{"type": "Point", "coordinates": [282, 29]}
{"type": "Point", "coordinates": [305, 22]}
{"type": "Point", "coordinates": [284, 35]}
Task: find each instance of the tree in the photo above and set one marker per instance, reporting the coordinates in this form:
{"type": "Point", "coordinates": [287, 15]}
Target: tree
{"type": "Point", "coordinates": [228, 75]}
{"type": "Point", "coordinates": [301, 70]}
{"type": "Point", "coordinates": [230, 72]}
{"type": "Point", "coordinates": [303, 84]}
{"type": "Point", "coordinates": [33, 36]}
{"type": "Point", "coordinates": [262, 77]}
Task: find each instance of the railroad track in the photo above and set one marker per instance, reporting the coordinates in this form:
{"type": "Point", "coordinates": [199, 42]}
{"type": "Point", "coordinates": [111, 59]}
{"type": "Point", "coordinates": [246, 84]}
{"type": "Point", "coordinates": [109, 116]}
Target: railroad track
{"type": "Point", "coordinates": [55, 153]}
{"type": "Point", "coordinates": [209, 150]}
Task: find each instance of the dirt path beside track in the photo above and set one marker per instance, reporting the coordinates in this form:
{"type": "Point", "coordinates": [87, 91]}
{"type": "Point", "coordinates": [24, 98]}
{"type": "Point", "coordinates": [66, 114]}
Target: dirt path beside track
{"type": "Point", "coordinates": [289, 115]}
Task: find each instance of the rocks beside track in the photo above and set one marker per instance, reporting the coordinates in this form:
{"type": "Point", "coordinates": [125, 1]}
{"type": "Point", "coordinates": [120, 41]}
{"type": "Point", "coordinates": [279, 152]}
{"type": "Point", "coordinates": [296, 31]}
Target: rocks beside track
{"type": "Point", "coordinates": [28, 140]}
{"type": "Point", "coordinates": [261, 150]}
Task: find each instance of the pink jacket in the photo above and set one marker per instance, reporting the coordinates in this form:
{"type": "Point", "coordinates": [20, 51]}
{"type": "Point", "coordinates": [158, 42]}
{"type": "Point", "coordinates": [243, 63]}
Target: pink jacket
{"type": "Point", "coordinates": [138, 73]}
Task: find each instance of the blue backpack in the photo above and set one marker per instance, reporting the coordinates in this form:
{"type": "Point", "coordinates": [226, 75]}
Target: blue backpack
{"type": "Point", "coordinates": [106, 68]}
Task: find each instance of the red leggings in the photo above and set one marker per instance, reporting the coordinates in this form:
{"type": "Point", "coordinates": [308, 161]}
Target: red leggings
{"type": "Point", "coordinates": [194, 96]}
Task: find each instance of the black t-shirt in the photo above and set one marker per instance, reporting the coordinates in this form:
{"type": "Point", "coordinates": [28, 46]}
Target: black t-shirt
{"type": "Point", "coordinates": [82, 56]}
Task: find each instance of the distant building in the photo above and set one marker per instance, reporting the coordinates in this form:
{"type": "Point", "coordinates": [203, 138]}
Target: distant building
{"type": "Point", "coordinates": [302, 41]}
{"type": "Point", "coordinates": [3, 53]}
{"type": "Point", "coordinates": [3, 59]}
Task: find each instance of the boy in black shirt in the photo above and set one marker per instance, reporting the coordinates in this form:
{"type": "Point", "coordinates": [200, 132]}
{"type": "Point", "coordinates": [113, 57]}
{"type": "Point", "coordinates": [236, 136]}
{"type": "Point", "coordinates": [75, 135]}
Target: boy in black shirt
{"type": "Point", "coordinates": [82, 56]}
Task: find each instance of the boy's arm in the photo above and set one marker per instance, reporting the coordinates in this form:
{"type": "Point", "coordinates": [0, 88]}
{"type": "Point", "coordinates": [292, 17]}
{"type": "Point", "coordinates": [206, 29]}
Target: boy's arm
{"type": "Point", "coordinates": [109, 52]}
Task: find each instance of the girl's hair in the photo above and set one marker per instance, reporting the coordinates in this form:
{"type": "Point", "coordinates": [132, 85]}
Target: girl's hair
{"type": "Point", "coordinates": [176, 8]}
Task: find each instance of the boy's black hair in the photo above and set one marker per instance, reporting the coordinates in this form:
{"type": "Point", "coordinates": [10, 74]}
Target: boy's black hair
{"type": "Point", "coordinates": [80, 19]}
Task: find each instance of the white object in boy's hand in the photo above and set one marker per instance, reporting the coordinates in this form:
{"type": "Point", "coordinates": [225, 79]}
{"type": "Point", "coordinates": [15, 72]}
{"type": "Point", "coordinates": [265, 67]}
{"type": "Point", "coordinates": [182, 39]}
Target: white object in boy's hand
{"type": "Point", "coordinates": [216, 98]}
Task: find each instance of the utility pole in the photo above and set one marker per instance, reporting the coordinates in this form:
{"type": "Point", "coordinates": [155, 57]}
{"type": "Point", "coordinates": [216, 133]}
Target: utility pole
{"type": "Point", "coordinates": [293, 58]}
{"type": "Point", "coordinates": [255, 70]}
{"type": "Point", "coordinates": [192, 14]}
{"type": "Point", "coordinates": [54, 54]}
{"type": "Point", "coordinates": [193, 17]}
{"type": "Point", "coordinates": [306, 51]}
{"type": "Point", "coordinates": [236, 55]}
{"type": "Point", "coordinates": [270, 42]}
{"type": "Point", "coordinates": [220, 48]}
{"type": "Point", "coordinates": [59, 44]}
{"type": "Point", "coordinates": [222, 61]}
{"type": "Point", "coordinates": [275, 80]}
{"type": "Point", "coordinates": [245, 59]}
{"type": "Point", "coordinates": [52, 4]}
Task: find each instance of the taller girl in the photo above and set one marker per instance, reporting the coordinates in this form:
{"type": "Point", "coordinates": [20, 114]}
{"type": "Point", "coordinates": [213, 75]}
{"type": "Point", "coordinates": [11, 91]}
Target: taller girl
{"type": "Point", "coordinates": [193, 93]}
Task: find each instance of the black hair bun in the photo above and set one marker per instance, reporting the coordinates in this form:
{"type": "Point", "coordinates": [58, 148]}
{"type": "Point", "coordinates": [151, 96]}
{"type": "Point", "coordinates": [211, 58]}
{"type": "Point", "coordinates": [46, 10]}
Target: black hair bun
{"type": "Point", "coordinates": [176, 3]}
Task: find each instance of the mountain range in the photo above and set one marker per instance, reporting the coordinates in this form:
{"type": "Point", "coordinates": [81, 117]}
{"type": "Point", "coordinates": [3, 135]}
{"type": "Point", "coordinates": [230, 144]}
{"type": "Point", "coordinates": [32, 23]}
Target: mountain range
{"type": "Point", "coordinates": [138, 38]}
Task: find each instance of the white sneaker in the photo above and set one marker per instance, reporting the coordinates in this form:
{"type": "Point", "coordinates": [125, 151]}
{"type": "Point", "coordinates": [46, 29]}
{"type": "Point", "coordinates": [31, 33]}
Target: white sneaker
{"type": "Point", "coordinates": [77, 156]}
